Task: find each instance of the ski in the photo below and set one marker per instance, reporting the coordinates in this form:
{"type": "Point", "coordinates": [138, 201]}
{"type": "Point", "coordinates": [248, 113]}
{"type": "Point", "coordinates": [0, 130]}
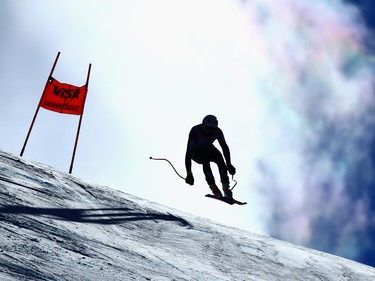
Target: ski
{"type": "Point", "coordinates": [226, 200]}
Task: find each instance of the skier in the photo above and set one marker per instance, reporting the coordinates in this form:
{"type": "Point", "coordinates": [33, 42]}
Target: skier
{"type": "Point", "coordinates": [200, 148]}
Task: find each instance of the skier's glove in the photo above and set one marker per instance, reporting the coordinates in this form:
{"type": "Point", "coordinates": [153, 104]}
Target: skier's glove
{"type": "Point", "coordinates": [231, 169]}
{"type": "Point", "coordinates": [189, 179]}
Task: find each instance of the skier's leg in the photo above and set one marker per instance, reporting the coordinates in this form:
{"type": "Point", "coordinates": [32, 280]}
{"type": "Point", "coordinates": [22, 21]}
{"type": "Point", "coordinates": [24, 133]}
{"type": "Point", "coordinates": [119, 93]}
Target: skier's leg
{"type": "Point", "coordinates": [208, 173]}
{"type": "Point", "coordinates": [218, 158]}
{"type": "Point", "coordinates": [211, 180]}
{"type": "Point", "coordinates": [203, 158]}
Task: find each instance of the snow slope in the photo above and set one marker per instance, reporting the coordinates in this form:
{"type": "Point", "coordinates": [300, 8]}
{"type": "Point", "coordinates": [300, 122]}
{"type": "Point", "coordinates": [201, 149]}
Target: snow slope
{"type": "Point", "coordinates": [57, 227]}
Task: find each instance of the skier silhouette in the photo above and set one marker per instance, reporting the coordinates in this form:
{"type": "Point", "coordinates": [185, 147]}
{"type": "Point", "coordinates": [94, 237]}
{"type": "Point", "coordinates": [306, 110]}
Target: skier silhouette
{"type": "Point", "coordinates": [200, 148]}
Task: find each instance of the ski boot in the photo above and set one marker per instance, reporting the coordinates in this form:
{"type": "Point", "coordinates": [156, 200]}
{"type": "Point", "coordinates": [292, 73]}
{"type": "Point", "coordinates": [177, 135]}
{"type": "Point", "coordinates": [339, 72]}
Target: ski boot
{"type": "Point", "coordinates": [215, 191]}
{"type": "Point", "coordinates": [227, 192]}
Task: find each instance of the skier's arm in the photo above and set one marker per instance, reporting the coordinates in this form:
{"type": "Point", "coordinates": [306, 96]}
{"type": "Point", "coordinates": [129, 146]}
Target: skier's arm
{"type": "Point", "coordinates": [189, 154]}
{"type": "Point", "coordinates": [226, 152]}
{"type": "Point", "coordinates": [225, 149]}
{"type": "Point", "coordinates": [189, 150]}
{"type": "Point", "coordinates": [188, 162]}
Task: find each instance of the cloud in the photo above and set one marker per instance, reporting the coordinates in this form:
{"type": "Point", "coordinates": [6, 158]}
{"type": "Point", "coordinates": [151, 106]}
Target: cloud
{"type": "Point", "coordinates": [317, 166]}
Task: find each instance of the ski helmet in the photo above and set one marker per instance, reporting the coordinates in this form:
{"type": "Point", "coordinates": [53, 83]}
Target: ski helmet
{"type": "Point", "coordinates": [209, 123]}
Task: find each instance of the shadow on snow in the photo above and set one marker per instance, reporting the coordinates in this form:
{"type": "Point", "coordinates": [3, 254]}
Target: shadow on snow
{"type": "Point", "coordinates": [101, 216]}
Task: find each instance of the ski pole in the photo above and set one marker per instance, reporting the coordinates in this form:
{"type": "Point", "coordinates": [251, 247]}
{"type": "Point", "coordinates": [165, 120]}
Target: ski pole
{"type": "Point", "coordinates": [235, 182]}
{"type": "Point", "coordinates": [163, 159]}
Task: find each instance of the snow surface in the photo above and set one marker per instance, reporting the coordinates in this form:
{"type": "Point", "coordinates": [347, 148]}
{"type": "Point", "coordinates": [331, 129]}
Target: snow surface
{"type": "Point", "coordinates": [57, 227]}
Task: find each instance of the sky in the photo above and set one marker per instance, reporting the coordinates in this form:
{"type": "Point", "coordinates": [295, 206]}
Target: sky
{"type": "Point", "coordinates": [290, 82]}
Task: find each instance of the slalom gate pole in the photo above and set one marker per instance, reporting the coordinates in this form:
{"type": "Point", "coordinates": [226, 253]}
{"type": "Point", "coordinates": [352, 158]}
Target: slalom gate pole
{"type": "Point", "coordinates": [80, 121]}
{"type": "Point", "coordinates": [163, 159]}
{"type": "Point", "coordinates": [37, 109]}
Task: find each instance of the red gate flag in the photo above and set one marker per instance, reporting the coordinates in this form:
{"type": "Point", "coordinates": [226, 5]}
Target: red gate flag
{"type": "Point", "coordinates": [63, 98]}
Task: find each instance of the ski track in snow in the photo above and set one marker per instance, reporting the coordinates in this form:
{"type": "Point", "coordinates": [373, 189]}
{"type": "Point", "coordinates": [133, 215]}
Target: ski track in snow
{"type": "Point", "coordinates": [57, 227]}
